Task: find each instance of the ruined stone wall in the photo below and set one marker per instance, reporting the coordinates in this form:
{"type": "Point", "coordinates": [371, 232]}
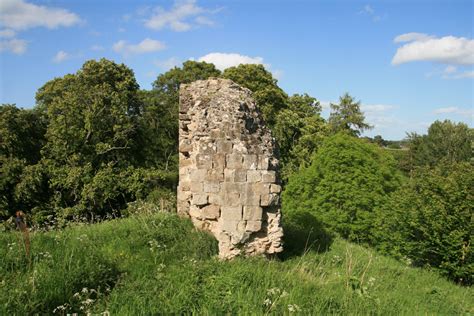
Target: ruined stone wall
{"type": "Point", "coordinates": [228, 168]}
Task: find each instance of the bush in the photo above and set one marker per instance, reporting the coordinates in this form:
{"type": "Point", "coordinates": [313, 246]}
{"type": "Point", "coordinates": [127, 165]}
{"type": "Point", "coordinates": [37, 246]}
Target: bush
{"type": "Point", "coordinates": [429, 221]}
{"type": "Point", "coordinates": [348, 178]}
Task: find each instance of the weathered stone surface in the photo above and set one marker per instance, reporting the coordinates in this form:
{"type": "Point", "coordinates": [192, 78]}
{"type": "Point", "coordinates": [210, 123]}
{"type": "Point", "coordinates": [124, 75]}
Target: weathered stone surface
{"type": "Point", "coordinates": [229, 182]}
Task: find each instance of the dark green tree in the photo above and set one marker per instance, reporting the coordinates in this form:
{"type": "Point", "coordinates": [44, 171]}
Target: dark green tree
{"type": "Point", "coordinates": [347, 180]}
{"type": "Point", "coordinates": [347, 117]}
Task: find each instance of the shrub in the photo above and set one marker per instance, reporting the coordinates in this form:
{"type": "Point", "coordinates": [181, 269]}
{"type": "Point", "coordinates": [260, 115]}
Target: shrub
{"type": "Point", "coordinates": [347, 179]}
{"type": "Point", "coordinates": [430, 221]}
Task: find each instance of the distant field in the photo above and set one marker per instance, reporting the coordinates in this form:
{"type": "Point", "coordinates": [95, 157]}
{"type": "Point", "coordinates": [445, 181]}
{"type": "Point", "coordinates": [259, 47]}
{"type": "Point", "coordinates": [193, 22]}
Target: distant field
{"type": "Point", "coordinates": [160, 265]}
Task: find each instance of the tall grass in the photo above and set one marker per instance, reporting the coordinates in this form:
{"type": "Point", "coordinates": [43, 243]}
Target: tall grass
{"type": "Point", "coordinates": [160, 264]}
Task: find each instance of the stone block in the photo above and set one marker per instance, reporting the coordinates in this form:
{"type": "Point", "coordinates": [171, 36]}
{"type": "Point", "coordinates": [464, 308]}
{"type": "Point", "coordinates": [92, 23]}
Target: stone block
{"type": "Point", "coordinates": [231, 213]}
{"type": "Point", "coordinates": [263, 162]}
{"type": "Point", "coordinates": [210, 211]}
{"type": "Point", "coordinates": [240, 175]}
{"type": "Point", "coordinates": [249, 196]}
{"type": "Point", "coordinates": [250, 162]}
{"type": "Point", "coordinates": [203, 161]}
{"type": "Point", "coordinates": [261, 188]}
{"type": "Point", "coordinates": [234, 161]}
{"type": "Point", "coordinates": [224, 146]}
{"type": "Point", "coordinates": [275, 188]}
{"type": "Point", "coordinates": [254, 176]}
{"type": "Point", "coordinates": [215, 198]}
{"type": "Point", "coordinates": [229, 175]}
{"type": "Point", "coordinates": [269, 199]}
{"type": "Point", "coordinates": [231, 199]}
{"type": "Point", "coordinates": [232, 187]}
{"type": "Point", "coordinates": [184, 195]}
{"type": "Point", "coordinates": [218, 161]}
{"type": "Point", "coordinates": [185, 145]}
{"type": "Point", "coordinates": [252, 213]}
{"type": "Point", "coordinates": [199, 199]}
{"type": "Point", "coordinates": [253, 226]}
{"type": "Point", "coordinates": [214, 175]}
{"type": "Point", "coordinates": [198, 175]}
{"type": "Point", "coordinates": [196, 187]}
{"type": "Point", "coordinates": [211, 186]}
{"type": "Point", "coordinates": [269, 176]}
{"type": "Point", "coordinates": [184, 186]}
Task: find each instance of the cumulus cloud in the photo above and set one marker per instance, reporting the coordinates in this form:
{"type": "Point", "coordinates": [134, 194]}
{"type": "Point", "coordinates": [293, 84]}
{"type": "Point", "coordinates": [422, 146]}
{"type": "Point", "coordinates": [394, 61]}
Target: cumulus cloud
{"type": "Point", "coordinates": [61, 56]}
{"type": "Point", "coordinates": [15, 46]}
{"type": "Point", "coordinates": [423, 47]}
{"type": "Point", "coordinates": [20, 15]}
{"type": "Point", "coordinates": [180, 18]}
{"type": "Point", "coordinates": [146, 46]}
{"type": "Point", "coordinates": [454, 110]}
{"type": "Point", "coordinates": [224, 60]}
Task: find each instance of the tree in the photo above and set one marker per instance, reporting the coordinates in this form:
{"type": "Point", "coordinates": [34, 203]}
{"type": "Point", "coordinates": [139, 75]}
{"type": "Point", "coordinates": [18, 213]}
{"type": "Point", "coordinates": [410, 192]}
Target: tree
{"type": "Point", "coordinates": [270, 98]}
{"type": "Point", "coordinates": [299, 130]}
{"type": "Point", "coordinates": [347, 180]}
{"type": "Point", "coordinates": [347, 117]}
{"type": "Point", "coordinates": [429, 220]}
{"type": "Point", "coordinates": [93, 118]}
{"type": "Point", "coordinates": [21, 138]}
{"type": "Point", "coordinates": [446, 142]}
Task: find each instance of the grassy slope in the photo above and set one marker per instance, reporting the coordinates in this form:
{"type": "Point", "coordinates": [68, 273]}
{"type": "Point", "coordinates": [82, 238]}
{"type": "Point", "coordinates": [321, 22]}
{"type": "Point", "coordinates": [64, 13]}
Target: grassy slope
{"type": "Point", "coordinates": [160, 264]}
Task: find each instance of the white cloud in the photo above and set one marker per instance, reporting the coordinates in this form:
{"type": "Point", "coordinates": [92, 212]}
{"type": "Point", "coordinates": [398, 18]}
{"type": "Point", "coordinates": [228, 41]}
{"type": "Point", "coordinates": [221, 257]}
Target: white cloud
{"type": "Point", "coordinates": [423, 47]}
{"type": "Point", "coordinates": [224, 60]}
{"type": "Point", "coordinates": [409, 37]}
{"type": "Point", "coordinates": [146, 46]}
{"type": "Point", "coordinates": [15, 46]}
{"type": "Point", "coordinates": [178, 18]}
{"type": "Point", "coordinates": [20, 15]}
{"type": "Point", "coordinates": [454, 110]}
{"type": "Point", "coordinates": [7, 33]}
{"type": "Point", "coordinates": [168, 63]}
{"type": "Point", "coordinates": [376, 107]}
{"type": "Point", "coordinates": [61, 56]}
{"type": "Point", "coordinates": [97, 48]}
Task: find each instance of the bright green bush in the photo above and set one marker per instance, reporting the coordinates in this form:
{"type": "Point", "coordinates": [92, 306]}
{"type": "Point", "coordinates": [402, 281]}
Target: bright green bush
{"type": "Point", "coordinates": [346, 181]}
{"type": "Point", "coordinates": [430, 221]}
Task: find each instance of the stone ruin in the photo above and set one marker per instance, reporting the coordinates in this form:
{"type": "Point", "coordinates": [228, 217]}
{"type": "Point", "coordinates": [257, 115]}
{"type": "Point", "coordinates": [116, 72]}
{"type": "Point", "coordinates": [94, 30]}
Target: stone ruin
{"type": "Point", "coordinates": [228, 169]}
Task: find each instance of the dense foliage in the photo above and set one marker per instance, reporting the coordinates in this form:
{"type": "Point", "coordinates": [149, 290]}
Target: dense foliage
{"type": "Point", "coordinates": [347, 180]}
{"type": "Point", "coordinates": [430, 221]}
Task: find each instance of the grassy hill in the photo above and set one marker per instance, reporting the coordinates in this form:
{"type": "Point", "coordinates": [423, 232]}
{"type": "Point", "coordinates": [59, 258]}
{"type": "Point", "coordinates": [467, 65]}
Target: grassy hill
{"type": "Point", "coordinates": [159, 264]}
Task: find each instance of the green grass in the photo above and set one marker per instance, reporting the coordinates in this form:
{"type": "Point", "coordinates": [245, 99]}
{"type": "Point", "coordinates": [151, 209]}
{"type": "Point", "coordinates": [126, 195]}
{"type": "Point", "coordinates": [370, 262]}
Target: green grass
{"type": "Point", "coordinates": [160, 264]}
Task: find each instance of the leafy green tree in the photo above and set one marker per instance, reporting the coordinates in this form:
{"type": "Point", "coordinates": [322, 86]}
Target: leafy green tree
{"type": "Point", "coordinates": [270, 98]}
{"type": "Point", "coordinates": [21, 138]}
{"type": "Point", "coordinates": [430, 221]}
{"type": "Point", "coordinates": [299, 130]}
{"type": "Point", "coordinates": [446, 142]}
{"type": "Point", "coordinates": [347, 180]}
{"type": "Point", "coordinates": [347, 117]}
{"type": "Point", "coordinates": [93, 122]}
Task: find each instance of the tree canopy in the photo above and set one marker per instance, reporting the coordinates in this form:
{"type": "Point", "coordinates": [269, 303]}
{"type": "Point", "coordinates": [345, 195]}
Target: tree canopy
{"type": "Point", "coordinates": [347, 117]}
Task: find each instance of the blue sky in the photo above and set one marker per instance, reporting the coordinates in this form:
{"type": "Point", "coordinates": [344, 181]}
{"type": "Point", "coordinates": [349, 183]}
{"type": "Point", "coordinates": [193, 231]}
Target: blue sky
{"type": "Point", "coordinates": [409, 62]}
